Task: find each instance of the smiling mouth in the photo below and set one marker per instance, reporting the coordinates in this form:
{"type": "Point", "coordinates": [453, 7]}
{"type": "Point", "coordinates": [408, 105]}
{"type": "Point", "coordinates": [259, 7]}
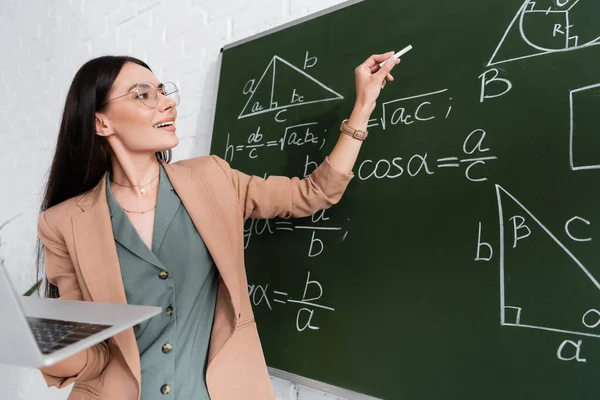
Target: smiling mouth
{"type": "Point", "coordinates": [164, 124]}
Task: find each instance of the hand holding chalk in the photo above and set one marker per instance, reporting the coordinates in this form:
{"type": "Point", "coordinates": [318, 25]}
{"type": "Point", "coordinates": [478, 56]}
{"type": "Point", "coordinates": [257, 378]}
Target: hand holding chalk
{"type": "Point", "coordinates": [370, 78]}
{"type": "Point", "coordinates": [398, 54]}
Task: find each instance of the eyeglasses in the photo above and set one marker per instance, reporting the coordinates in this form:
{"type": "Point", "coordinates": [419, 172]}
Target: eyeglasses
{"type": "Point", "coordinates": [148, 93]}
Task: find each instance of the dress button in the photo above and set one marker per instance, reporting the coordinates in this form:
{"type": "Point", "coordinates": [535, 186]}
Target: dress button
{"type": "Point", "coordinates": [163, 274]}
{"type": "Point", "coordinates": [169, 311]}
{"type": "Point", "coordinates": [167, 348]}
{"type": "Point", "coordinates": [165, 389]}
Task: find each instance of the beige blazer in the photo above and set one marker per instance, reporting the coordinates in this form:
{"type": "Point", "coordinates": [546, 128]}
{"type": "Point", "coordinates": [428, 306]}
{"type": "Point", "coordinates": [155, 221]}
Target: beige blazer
{"type": "Point", "coordinates": [81, 259]}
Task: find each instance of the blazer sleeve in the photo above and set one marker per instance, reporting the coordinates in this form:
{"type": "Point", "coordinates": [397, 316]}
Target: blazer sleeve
{"type": "Point", "coordinates": [61, 273]}
{"type": "Point", "coordinates": [279, 196]}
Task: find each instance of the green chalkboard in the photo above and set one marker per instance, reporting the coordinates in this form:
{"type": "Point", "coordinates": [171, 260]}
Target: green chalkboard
{"type": "Point", "coordinates": [462, 261]}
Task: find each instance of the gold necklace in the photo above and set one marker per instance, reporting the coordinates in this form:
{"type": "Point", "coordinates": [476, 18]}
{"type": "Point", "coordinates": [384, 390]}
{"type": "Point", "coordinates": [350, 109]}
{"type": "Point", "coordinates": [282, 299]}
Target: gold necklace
{"type": "Point", "coordinates": [138, 212]}
{"type": "Point", "coordinates": [142, 187]}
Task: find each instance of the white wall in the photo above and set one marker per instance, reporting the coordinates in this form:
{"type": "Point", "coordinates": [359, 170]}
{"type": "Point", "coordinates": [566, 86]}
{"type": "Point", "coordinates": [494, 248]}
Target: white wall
{"type": "Point", "coordinates": [43, 43]}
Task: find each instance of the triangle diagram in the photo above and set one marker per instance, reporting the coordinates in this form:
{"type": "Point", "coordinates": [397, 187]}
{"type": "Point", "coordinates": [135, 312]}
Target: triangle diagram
{"type": "Point", "coordinates": [513, 46]}
{"type": "Point", "coordinates": [282, 86]}
{"type": "Point", "coordinates": [539, 28]}
{"type": "Point", "coordinates": [542, 284]}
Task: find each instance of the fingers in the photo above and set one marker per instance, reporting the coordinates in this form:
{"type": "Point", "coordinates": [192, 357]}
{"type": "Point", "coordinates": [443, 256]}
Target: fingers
{"type": "Point", "coordinates": [390, 63]}
{"type": "Point", "coordinates": [371, 73]}
{"type": "Point", "coordinates": [388, 77]}
{"type": "Point", "coordinates": [377, 59]}
{"type": "Point", "coordinates": [387, 67]}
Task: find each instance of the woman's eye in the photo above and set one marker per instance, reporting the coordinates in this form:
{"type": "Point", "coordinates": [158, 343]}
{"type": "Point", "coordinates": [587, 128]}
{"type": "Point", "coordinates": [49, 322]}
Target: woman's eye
{"type": "Point", "coordinates": [142, 96]}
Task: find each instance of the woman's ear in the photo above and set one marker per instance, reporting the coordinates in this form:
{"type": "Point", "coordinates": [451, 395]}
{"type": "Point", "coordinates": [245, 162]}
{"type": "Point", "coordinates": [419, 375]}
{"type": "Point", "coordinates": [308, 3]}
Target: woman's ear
{"type": "Point", "coordinates": [102, 127]}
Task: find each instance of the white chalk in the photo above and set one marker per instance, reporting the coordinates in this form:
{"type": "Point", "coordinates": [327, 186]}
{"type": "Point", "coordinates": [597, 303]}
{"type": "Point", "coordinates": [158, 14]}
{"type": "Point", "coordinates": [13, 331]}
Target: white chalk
{"type": "Point", "coordinates": [398, 54]}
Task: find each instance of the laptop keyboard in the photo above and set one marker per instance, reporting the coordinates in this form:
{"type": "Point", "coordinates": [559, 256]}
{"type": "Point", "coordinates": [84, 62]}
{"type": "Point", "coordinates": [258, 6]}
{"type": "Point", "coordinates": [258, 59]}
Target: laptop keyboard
{"type": "Point", "coordinates": [52, 334]}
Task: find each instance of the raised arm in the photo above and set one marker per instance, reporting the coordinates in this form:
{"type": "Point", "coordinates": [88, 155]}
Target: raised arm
{"type": "Point", "coordinates": [85, 365]}
{"type": "Point", "coordinates": [283, 197]}
{"type": "Point", "coordinates": [370, 79]}
{"type": "Point", "coordinates": [279, 196]}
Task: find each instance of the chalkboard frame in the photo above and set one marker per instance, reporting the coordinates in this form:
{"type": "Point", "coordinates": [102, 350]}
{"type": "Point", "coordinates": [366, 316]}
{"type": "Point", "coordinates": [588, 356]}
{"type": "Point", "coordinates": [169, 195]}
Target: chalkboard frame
{"type": "Point", "coordinates": [314, 384]}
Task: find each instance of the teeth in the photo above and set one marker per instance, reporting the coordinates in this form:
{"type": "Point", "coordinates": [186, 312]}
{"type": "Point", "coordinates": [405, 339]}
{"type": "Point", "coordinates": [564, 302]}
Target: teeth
{"type": "Point", "coordinates": [162, 125]}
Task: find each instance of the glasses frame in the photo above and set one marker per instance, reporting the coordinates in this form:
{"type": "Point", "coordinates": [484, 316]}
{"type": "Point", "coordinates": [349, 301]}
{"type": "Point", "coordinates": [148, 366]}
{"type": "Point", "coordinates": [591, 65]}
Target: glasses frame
{"type": "Point", "coordinates": [159, 90]}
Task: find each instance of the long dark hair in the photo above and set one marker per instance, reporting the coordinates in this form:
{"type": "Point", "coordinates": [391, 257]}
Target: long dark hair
{"type": "Point", "coordinates": [82, 157]}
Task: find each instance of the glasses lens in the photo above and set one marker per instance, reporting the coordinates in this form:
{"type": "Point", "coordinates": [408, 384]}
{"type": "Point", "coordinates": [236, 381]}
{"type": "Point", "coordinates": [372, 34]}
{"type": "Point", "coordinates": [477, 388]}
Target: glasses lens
{"type": "Point", "coordinates": [171, 91]}
{"type": "Point", "coordinates": [147, 94]}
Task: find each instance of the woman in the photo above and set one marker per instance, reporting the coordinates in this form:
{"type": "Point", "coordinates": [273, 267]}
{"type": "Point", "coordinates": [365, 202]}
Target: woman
{"type": "Point", "coordinates": [120, 224]}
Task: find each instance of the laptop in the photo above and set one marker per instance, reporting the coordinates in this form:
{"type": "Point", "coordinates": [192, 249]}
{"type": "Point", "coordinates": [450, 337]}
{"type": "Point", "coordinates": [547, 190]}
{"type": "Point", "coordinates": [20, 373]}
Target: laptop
{"type": "Point", "coordinates": [38, 332]}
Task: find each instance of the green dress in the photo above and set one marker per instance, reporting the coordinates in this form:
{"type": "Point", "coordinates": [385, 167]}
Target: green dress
{"type": "Point", "coordinates": [179, 275]}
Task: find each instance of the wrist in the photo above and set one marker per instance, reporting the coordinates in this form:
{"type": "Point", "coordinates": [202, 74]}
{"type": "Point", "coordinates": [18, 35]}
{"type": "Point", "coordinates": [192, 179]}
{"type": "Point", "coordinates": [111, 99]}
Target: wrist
{"type": "Point", "coordinates": [361, 113]}
{"type": "Point", "coordinates": [363, 108]}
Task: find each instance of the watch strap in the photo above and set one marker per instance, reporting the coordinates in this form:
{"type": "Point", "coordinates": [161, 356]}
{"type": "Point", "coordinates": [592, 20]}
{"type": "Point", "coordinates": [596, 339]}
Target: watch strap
{"type": "Point", "coordinates": [354, 133]}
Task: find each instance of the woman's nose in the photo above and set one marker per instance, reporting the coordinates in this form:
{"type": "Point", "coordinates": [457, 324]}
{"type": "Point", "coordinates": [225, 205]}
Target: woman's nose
{"type": "Point", "coordinates": [165, 102]}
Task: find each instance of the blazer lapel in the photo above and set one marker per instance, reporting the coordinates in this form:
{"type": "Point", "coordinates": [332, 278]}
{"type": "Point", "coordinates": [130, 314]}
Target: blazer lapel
{"type": "Point", "coordinates": [205, 216]}
{"type": "Point", "coordinates": [125, 233]}
{"type": "Point", "coordinates": [99, 264]}
{"type": "Point", "coordinates": [168, 204]}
